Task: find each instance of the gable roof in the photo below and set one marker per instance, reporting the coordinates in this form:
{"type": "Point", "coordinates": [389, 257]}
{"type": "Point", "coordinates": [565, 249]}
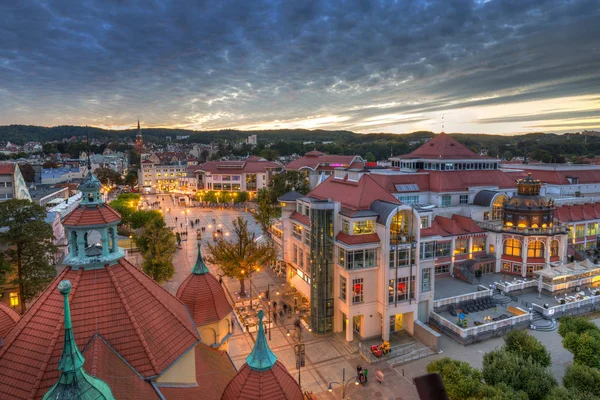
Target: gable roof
{"type": "Point", "coordinates": [7, 168]}
{"type": "Point", "coordinates": [315, 159]}
{"type": "Point", "coordinates": [8, 319]}
{"type": "Point", "coordinates": [457, 225]}
{"type": "Point", "coordinates": [236, 167]}
{"type": "Point", "coordinates": [442, 147]}
{"type": "Point", "coordinates": [353, 195]}
{"type": "Point", "coordinates": [145, 324]}
{"type": "Point", "coordinates": [577, 212]}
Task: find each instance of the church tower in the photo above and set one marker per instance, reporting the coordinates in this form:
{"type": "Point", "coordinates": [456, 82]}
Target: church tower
{"type": "Point", "coordinates": [139, 143]}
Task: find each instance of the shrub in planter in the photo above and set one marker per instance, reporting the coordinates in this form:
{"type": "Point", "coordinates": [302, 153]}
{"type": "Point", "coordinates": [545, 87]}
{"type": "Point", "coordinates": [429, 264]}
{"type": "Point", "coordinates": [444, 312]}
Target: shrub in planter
{"type": "Point", "coordinates": [563, 301]}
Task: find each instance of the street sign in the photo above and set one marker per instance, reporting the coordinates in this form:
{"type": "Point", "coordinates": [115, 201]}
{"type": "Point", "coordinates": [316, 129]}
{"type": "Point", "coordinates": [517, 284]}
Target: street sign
{"type": "Point", "coordinates": [300, 355]}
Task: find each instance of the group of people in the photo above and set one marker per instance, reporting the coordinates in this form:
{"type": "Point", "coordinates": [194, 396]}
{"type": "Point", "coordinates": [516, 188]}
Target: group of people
{"type": "Point", "coordinates": [362, 375]}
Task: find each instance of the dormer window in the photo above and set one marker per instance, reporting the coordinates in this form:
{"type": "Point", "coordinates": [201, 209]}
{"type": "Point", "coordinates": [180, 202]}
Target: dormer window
{"type": "Point", "coordinates": [363, 227]}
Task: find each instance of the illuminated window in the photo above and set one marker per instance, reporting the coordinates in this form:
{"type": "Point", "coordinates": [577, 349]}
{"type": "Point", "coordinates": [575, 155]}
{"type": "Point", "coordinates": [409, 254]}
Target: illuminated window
{"type": "Point", "coordinates": [592, 229]}
{"type": "Point", "coordinates": [363, 227]}
{"type": "Point", "coordinates": [486, 216]}
{"type": "Point", "coordinates": [341, 257]}
{"type": "Point", "coordinates": [297, 231]}
{"type": "Point", "coordinates": [512, 247]}
{"type": "Point", "coordinates": [580, 231]}
{"type": "Point", "coordinates": [14, 299]}
{"type": "Point", "coordinates": [461, 246]}
{"type": "Point", "coordinates": [554, 248]}
{"type": "Point", "coordinates": [535, 249]}
{"type": "Point", "coordinates": [478, 244]}
{"type": "Point", "coordinates": [357, 290]}
{"type": "Point", "coordinates": [443, 249]}
{"type": "Point", "coordinates": [343, 288]}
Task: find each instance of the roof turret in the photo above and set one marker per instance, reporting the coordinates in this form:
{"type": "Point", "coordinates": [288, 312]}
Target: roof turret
{"type": "Point", "coordinates": [261, 358]}
{"type": "Point", "coordinates": [74, 382]}
{"type": "Point", "coordinates": [200, 268]}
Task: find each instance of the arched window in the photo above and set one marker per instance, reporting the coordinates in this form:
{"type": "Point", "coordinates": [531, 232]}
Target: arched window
{"type": "Point", "coordinates": [554, 248]}
{"type": "Point", "coordinates": [498, 207]}
{"type": "Point", "coordinates": [535, 249]}
{"type": "Point", "coordinates": [512, 247]}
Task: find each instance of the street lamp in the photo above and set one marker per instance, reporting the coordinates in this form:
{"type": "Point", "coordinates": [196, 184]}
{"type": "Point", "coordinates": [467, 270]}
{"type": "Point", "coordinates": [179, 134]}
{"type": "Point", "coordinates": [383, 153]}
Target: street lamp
{"type": "Point", "coordinates": [130, 243]}
{"type": "Point", "coordinates": [268, 295]}
{"type": "Point", "coordinates": [343, 384]}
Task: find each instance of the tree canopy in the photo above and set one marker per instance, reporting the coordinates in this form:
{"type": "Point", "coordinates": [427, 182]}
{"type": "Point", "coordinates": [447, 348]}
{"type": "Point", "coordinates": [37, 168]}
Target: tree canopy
{"type": "Point", "coordinates": [157, 244]}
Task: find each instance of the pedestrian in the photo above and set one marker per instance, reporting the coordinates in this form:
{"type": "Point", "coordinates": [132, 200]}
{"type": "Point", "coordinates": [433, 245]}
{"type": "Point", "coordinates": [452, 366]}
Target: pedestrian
{"type": "Point", "coordinates": [275, 317]}
{"type": "Point", "coordinates": [358, 371]}
{"type": "Point", "coordinates": [285, 307]}
{"type": "Point", "coordinates": [380, 376]}
{"type": "Point", "coordinates": [274, 305]}
{"type": "Point", "coordinates": [280, 314]}
{"type": "Point", "coordinates": [366, 374]}
{"type": "Point", "coordinates": [232, 325]}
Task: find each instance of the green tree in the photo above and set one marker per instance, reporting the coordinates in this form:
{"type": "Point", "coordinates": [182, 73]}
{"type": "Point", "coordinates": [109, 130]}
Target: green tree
{"type": "Point", "coordinates": [582, 379]}
{"type": "Point", "coordinates": [28, 172]}
{"type": "Point", "coordinates": [562, 393]}
{"type": "Point", "coordinates": [241, 197]}
{"type": "Point", "coordinates": [522, 343]}
{"type": "Point", "coordinates": [286, 181]}
{"type": "Point", "coordinates": [157, 244]}
{"type": "Point", "coordinates": [582, 338]}
{"type": "Point", "coordinates": [266, 210]}
{"type": "Point", "coordinates": [242, 256]}
{"type": "Point", "coordinates": [461, 380]}
{"type": "Point", "coordinates": [28, 239]}
{"type": "Point", "coordinates": [5, 270]}
{"type": "Point", "coordinates": [141, 218]}
{"type": "Point", "coordinates": [500, 391]}
{"type": "Point", "coordinates": [501, 366]}
{"type": "Point", "coordinates": [370, 157]}
{"type": "Point", "coordinates": [131, 179]}
{"type": "Point", "coordinates": [108, 176]}
{"type": "Point", "coordinates": [541, 155]}
{"type": "Point", "coordinates": [126, 204]}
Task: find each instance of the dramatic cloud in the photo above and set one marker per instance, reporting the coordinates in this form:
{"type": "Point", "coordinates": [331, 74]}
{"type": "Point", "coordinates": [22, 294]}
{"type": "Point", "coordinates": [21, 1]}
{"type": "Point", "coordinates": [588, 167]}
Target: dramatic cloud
{"type": "Point", "coordinates": [499, 66]}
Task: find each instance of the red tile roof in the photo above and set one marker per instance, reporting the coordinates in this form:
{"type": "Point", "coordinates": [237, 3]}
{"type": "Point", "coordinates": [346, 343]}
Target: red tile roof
{"type": "Point", "coordinates": [449, 181]}
{"type": "Point", "coordinates": [214, 370]}
{"type": "Point", "coordinates": [317, 160]}
{"type": "Point", "coordinates": [103, 362]}
{"type": "Point", "coordinates": [578, 212]}
{"type": "Point", "coordinates": [8, 319]}
{"type": "Point", "coordinates": [303, 219]}
{"type": "Point", "coordinates": [457, 225]}
{"type": "Point", "coordinates": [389, 182]}
{"type": "Point", "coordinates": [204, 298]}
{"type": "Point", "coordinates": [248, 166]}
{"type": "Point", "coordinates": [7, 168]}
{"type": "Point", "coordinates": [443, 147]}
{"type": "Point", "coordinates": [145, 324]}
{"type": "Point", "coordinates": [557, 177]}
{"type": "Point", "coordinates": [357, 239]}
{"type": "Point", "coordinates": [97, 215]}
{"type": "Point", "coordinates": [273, 384]}
{"type": "Point", "coordinates": [353, 195]}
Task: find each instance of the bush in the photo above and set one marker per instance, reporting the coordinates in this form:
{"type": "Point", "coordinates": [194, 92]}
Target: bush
{"type": "Point", "coordinates": [460, 379]}
{"type": "Point", "coordinates": [520, 374]}
{"type": "Point", "coordinates": [575, 324]}
{"type": "Point", "coordinates": [562, 393]}
{"type": "Point", "coordinates": [582, 379]}
{"type": "Point", "coordinates": [525, 345]}
{"type": "Point", "coordinates": [582, 338]}
{"type": "Point", "coordinates": [501, 392]}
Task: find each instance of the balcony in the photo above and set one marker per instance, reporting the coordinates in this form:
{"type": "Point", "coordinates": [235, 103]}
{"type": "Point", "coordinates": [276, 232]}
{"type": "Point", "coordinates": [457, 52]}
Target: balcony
{"type": "Point", "coordinates": [497, 226]}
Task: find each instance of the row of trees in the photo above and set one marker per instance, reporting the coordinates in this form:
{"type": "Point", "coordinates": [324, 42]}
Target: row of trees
{"type": "Point", "coordinates": [212, 196]}
{"type": "Point", "coordinates": [109, 176]}
{"type": "Point", "coordinates": [520, 369]}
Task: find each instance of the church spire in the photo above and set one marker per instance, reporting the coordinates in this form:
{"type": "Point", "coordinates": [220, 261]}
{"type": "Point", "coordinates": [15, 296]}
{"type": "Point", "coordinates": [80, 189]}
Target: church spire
{"type": "Point", "coordinates": [261, 358]}
{"type": "Point", "coordinates": [74, 382]}
{"type": "Point", "coordinates": [200, 268]}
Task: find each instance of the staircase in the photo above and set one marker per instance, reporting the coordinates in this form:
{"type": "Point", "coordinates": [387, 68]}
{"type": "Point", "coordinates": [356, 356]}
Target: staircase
{"type": "Point", "coordinates": [539, 323]}
{"type": "Point", "coordinates": [411, 352]}
{"type": "Point", "coordinates": [501, 298]}
{"type": "Point", "coordinates": [465, 275]}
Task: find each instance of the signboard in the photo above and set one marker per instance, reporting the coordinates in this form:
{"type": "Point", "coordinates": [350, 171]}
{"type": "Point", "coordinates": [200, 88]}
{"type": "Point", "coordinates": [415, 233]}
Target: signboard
{"type": "Point", "coordinates": [300, 355]}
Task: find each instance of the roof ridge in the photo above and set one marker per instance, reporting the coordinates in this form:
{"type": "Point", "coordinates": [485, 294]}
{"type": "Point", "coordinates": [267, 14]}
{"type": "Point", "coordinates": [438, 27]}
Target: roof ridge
{"type": "Point", "coordinates": [193, 332]}
{"type": "Point", "coordinates": [133, 320]}
{"type": "Point", "coordinates": [57, 330]}
{"type": "Point", "coordinates": [10, 312]}
{"type": "Point", "coordinates": [26, 318]}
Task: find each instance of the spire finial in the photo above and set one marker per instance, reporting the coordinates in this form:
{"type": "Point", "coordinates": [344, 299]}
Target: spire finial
{"type": "Point", "coordinates": [138, 123]}
{"type": "Point", "coordinates": [261, 358]}
{"type": "Point", "coordinates": [74, 382]}
{"type": "Point", "coordinates": [200, 268]}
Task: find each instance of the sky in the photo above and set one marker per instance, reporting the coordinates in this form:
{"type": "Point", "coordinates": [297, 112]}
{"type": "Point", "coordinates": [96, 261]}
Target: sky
{"type": "Point", "coordinates": [482, 66]}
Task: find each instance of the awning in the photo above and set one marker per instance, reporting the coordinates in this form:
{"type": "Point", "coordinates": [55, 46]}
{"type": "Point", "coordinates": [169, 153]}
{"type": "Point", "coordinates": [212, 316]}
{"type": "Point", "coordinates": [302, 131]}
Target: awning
{"type": "Point", "coordinates": [302, 286]}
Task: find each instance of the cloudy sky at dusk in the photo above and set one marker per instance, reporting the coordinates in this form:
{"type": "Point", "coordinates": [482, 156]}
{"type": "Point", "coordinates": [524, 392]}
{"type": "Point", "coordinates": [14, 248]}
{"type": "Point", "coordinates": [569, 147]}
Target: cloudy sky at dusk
{"type": "Point", "coordinates": [495, 66]}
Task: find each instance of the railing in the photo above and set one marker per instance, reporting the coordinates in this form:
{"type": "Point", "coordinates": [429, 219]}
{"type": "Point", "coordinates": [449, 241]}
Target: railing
{"type": "Point", "coordinates": [499, 227]}
{"type": "Point", "coordinates": [507, 288]}
{"type": "Point", "coordinates": [476, 330]}
{"type": "Point", "coordinates": [463, 297]}
{"type": "Point", "coordinates": [550, 311]}
{"type": "Point", "coordinates": [413, 355]}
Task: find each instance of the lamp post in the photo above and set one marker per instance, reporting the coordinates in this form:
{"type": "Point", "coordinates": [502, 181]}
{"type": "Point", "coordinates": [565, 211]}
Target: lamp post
{"type": "Point", "coordinates": [343, 384]}
{"type": "Point", "coordinates": [130, 244]}
{"type": "Point", "coordinates": [269, 309]}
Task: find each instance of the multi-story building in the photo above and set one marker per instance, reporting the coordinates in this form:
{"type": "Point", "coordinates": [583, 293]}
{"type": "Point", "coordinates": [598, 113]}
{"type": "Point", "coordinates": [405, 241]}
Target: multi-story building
{"type": "Point", "coordinates": [12, 184]}
{"type": "Point", "coordinates": [161, 172]}
{"type": "Point", "coordinates": [248, 175]}
{"type": "Point", "coordinates": [366, 246]}
{"type": "Point", "coordinates": [317, 165]}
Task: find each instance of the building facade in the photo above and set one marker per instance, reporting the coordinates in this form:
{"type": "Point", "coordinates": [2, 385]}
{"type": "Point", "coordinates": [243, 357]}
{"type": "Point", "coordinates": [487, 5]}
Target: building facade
{"type": "Point", "coordinates": [12, 184]}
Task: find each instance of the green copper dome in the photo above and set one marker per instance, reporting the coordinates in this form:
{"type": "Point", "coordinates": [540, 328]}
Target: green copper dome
{"type": "Point", "coordinates": [200, 268]}
{"type": "Point", "coordinates": [261, 358]}
{"type": "Point", "coordinates": [74, 382]}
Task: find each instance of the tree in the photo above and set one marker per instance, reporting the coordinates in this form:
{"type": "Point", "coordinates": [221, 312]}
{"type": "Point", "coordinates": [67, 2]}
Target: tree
{"type": "Point", "coordinates": [461, 380]}
{"type": "Point", "coordinates": [582, 379]}
{"type": "Point", "coordinates": [370, 157]}
{"type": "Point", "coordinates": [582, 338]}
{"type": "Point", "coordinates": [286, 181]}
{"type": "Point", "coordinates": [28, 172]}
{"type": "Point", "coordinates": [126, 204]}
{"type": "Point", "coordinates": [242, 256]}
{"type": "Point", "coordinates": [266, 211]}
{"type": "Point", "coordinates": [108, 176]}
{"type": "Point", "coordinates": [142, 218]}
{"type": "Point", "coordinates": [5, 270]}
{"type": "Point", "coordinates": [522, 343]}
{"type": "Point", "coordinates": [157, 244]}
{"type": "Point", "coordinates": [29, 246]}
{"type": "Point", "coordinates": [562, 393]}
{"type": "Point", "coordinates": [502, 366]}
{"type": "Point", "coordinates": [131, 179]}
{"type": "Point", "coordinates": [500, 391]}
{"type": "Point", "coordinates": [541, 155]}
{"type": "Point", "coordinates": [49, 164]}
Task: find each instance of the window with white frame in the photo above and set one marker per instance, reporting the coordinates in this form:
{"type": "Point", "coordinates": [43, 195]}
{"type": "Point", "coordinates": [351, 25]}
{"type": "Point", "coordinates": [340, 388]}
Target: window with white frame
{"type": "Point", "coordinates": [461, 246]}
{"type": "Point", "coordinates": [363, 227]}
{"type": "Point", "coordinates": [346, 226]}
{"type": "Point", "coordinates": [486, 215]}
{"type": "Point", "coordinates": [424, 221]}
{"type": "Point", "coordinates": [400, 257]}
{"type": "Point", "coordinates": [427, 250]}
{"type": "Point", "coordinates": [299, 207]}
{"type": "Point", "coordinates": [306, 237]}
{"type": "Point", "coordinates": [357, 259]}
{"type": "Point", "coordinates": [297, 231]}
{"type": "Point", "coordinates": [426, 280]}
{"type": "Point", "coordinates": [446, 200]}
{"type": "Point", "coordinates": [357, 290]}
{"type": "Point", "coordinates": [343, 288]}
{"type": "Point", "coordinates": [341, 258]}
{"type": "Point", "coordinates": [443, 249]}
{"type": "Point", "coordinates": [478, 244]}
{"type": "Point", "coordinates": [442, 269]}
{"type": "Point", "coordinates": [464, 199]}
{"type": "Point", "coordinates": [409, 199]}
{"type": "Point", "coordinates": [295, 254]}
{"type": "Point", "coordinates": [301, 258]}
